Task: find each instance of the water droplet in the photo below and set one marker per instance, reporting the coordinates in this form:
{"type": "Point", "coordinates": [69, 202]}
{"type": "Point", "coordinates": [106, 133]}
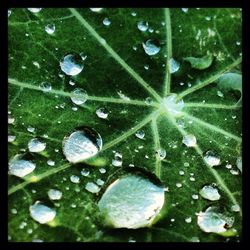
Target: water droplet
{"type": "Point", "coordinates": [185, 10]}
{"type": "Point", "coordinates": [19, 167]}
{"type": "Point", "coordinates": [140, 134]}
{"type": "Point", "coordinates": [208, 18]}
{"type": "Point", "coordinates": [102, 170]}
{"type": "Point", "coordinates": [92, 187]}
{"type": "Point", "coordinates": [42, 213]}
{"type": "Point", "coordinates": [9, 13]}
{"type": "Point", "coordinates": [132, 201]}
{"type": "Point", "coordinates": [13, 211]}
{"type": "Point", "coordinates": [194, 239]}
{"type": "Point", "coordinates": [181, 172]}
{"type": "Point", "coordinates": [99, 182]}
{"type": "Point", "coordinates": [51, 163]}
{"type": "Point", "coordinates": [50, 28]}
{"type": "Point", "coordinates": [74, 179]}
{"type": "Point", "coordinates": [11, 119]}
{"type": "Point", "coordinates": [133, 13]}
{"type": "Point", "coordinates": [195, 196]}
{"type": "Point", "coordinates": [35, 145]}
{"type": "Point", "coordinates": [188, 220]}
{"type": "Point", "coordinates": [235, 208]}
{"type": "Point", "coordinates": [220, 94]}
{"type": "Point", "coordinates": [179, 185]}
{"type": "Point", "coordinates": [212, 158]}
{"type": "Point", "coordinates": [239, 163]}
{"type": "Point", "coordinates": [102, 113]}
{"type": "Point", "coordinates": [71, 64]}
{"type": "Point", "coordinates": [55, 194]}
{"type": "Point", "coordinates": [189, 140]}
{"type": "Point", "coordinates": [79, 96]}
{"type": "Point", "coordinates": [45, 86]}
{"type": "Point", "coordinates": [148, 100]}
{"type": "Point", "coordinates": [106, 21]}
{"type": "Point", "coordinates": [161, 153]}
{"type": "Point", "coordinates": [151, 47]}
{"type": "Point", "coordinates": [117, 161]}
{"type": "Point", "coordinates": [82, 144]}
{"type": "Point", "coordinates": [173, 65]}
{"type": "Point", "coordinates": [122, 96]}
{"type": "Point", "coordinates": [146, 66]}
{"type": "Point", "coordinates": [31, 129]}
{"type": "Point", "coordinates": [172, 105]}
{"type": "Point", "coordinates": [85, 172]}
{"type": "Point", "coordinates": [96, 9]}
{"type": "Point", "coordinates": [142, 25]}
{"type": "Point", "coordinates": [210, 193]}
{"type": "Point", "coordinates": [34, 10]}
{"type": "Point", "coordinates": [11, 138]}
{"type": "Point", "coordinates": [211, 221]}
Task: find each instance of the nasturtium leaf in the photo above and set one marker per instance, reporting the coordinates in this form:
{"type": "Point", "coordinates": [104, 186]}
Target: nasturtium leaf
{"type": "Point", "coordinates": [152, 111]}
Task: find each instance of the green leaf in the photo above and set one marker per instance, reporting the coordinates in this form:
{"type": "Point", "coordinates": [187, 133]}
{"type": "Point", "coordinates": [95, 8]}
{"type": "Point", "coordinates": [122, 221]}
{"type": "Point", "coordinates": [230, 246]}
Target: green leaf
{"type": "Point", "coordinates": [200, 63]}
{"type": "Point", "coordinates": [121, 78]}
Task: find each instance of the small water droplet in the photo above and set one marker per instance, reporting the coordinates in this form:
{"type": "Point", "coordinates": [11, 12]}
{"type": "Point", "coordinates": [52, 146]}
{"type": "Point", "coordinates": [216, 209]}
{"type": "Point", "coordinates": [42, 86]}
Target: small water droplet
{"type": "Point", "coordinates": [99, 182]}
{"type": "Point", "coordinates": [146, 67]}
{"type": "Point", "coordinates": [208, 18]}
{"type": "Point", "coordinates": [220, 94]}
{"type": "Point", "coordinates": [117, 161]}
{"type": "Point", "coordinates": [102, 113]}
{"type": "Point", "coordinates": [189, 140]}
{"type": "Point", "coordinates": [74, 179]}
{"type": "Point", "coordinates": [96, 9]}
{"type": "Point", "coordinates": [50, 28]}
{"type": "Point", "coordinates": [31, 129]}
{"type": "Point", "coordinates": [179, 185]}
{"type": "Point", "coordinates": [34, 10]}
{"type": "Point", "coordinates": [142, 26]}
{"type": "Point", "coordinates": [161, 153]}
{"type": "Point", "coordinates": [51, 163]}
{"type": "Point", "coordinates": [234, 172]}
{"type": "Point", "coordinates": [11, 119]}
{"type": "Point", "coordinates": [42, 213]}
{"type": "Point", "coordinates": [11, 138]}
{"type": "Point", "coordinates": [210, 193]}
{"type": "Point", "coordinates": [85, 172]}
{"type": "Point", "coordinates": [55, 194]}
{"type": "Point", "coordinates": [235, 208]}
{"type": "Point", "coordinates": [92, 187]}
{"type": "Point", "coordinates": [133, 13]}
{"type": "Point", "coordinates": [173, 65]}
{"type": "Point", "coordinates": [238, 43]}
{"type": "Point", "coordinates": [181, 172]}
{"type": "Point", "coordinates": [71, 64]}
{"type": "Point", "coordinates": [151, 47]}
{"type": "Point", "coordinates": [102, 170]}
{"type": "Point", "coordinates": [122, 96]}
{"type": "Point", "coordinates": [195, 196]}
{"type": "Point", "coordinates": [45, 86]}
{"type": "Point", "coordinates": [140, 134]}
{"type": "Point", "coordinates": [35, 145]}
{"type": "Point", "coordinates": [194, 239]}
{"type": "Point", "coordinates": [211, 158]}
{"type": "Point", "coordinates": [185, 10]}
{"type": "Point", "coordinates": [188, 220]}
{"type": "Point", "coordinates": [82, 144]}
{"type": "Point", "coordinates": [106, 21]}
{"type": "Point", "coordinates": [79, 96]}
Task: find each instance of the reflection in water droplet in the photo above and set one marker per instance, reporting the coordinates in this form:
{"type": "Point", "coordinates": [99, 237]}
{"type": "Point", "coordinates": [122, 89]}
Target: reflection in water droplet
{"type": "Point", "coordinates": [42, 213]}
{"type": "Point", "coordinates": [35, 145]}
{"type": "Point", "coordinates": [161, 153]}
{"type": "Point", "coordinates": [189, 140]}
{"type": "Point", "coordinates": [81, 145]}
{"type": "Point", "coordinates": [102, 170]}
{"type": "Point", "coordinates": [55, 194]}
{"type": "Point", "coordinates": [151, 47]}
{"type": "Point", "coordinates": [50, 28]}
{"type": "Point", "coordinates": [34, 10]}
{"type": "Point", "coordinates": [142, 25]}
{"type": "Point", "coordinates": [131, 201]}
{"type": "Point", "coordinates": [79, 96]}
{"type": "Point", "coordinates": [210, 193]}
{"type": "Point", "coordinates": [92, 187]}
{"type": "Point", "coordinates": [117, 161]}
{"type": "Point", "coordinates": [173, 65]}
{"type": "Point", "coordinates": [211, 158]}
{"type": "Point", "coordinates": [172, 105]}
{"type": "Point", "coordinates": [99, 182]}
{"type": "Point", "coordinates": [45, 86]}
{"type": "Point", "coordinates": [51, 163]}
{"type": "Point", "coordinates": [212, 221]}
{"type": "Point", "coordinates": [71, 64]}
{"type": "Point", "coordinates": [19, 167]}
{"type": "Point", "coordinates": [106, 21]}
{"type": "Point", "coordinates": [102, 113]}
{"type": "Point", "coordinates": [140, 134]}
{"type": "Point", "coordinates": [85, 172]}
{"type": "Point", "coordinates": [31, 129]}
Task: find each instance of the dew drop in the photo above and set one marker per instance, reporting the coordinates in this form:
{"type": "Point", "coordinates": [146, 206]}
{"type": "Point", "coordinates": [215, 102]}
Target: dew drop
{"type": "Point", "coordinates": [74, 179]}
{"type": "Point", "coordinates": [179, 185]}
{"type": "Point", "coordinates": [82, 144]}
{"type": "Point", "coordinates": [142, 26]}
{"type": "Point", "coordinates": [42, 213]}
{"type": "Point", "coordinates": [185, 10]}
{"type": "Point", "coordinates": [161, 153]}
{"type": "Point", "coordinates": [117, 161]}
{"type": "Point", "coordinates": [85, 172]}
{"type": "Point", "coordinates": [235, 208]}
{"type": "Point", "coordinates": [45, 86]}
{"type": "Point", "coordinates": [172, 105]}
{"type": "Point", "coordinates": [220, 94]}
{"type": "Point", "coordinates": [92, 187]}
{"type": "Point", "coordinates": [11, 119]}
{"type": "Point", "coordinates": [50, 28]}
{"type": "Point", "coordinates": [148, 100]}
{"type": "Point", "coordinates": [146, 67]}
{"type": "Point", "coordinates": [55, 194]}
{"type": "Point", "coordinates": [9, 13]}
{"type": "Point", "coordinates": [181, 172]}
{"type": "Point", "coordinates": [195, 196]}
{"type": "Point", "coordinates": [83, 56]}
{"type": "Point", "coordinates": [102, 170]}
{"type": "Point", "coordinates": [140, 134]}
{"type": "Point", "coordinates": [34, 10]}
{"type": "Point", "coordinates": [11, 138]}
{"type": "Point", "coordinates": [122, 96]}
{"type": "Point", "coordinates": [102, 113]}
{"type": "Point", "coordinates": [51, 163]}
{"type": "Point", "coordinates": [173, 65]}
{"type": "Point", "coordinates": [210, 193]}
{"type": "Point", "coordinates": [79, 96]}
{"type": "Point", "coordinates": [99, 182]}
{"type": "Point", "coordinates": [189, 140]}
{"type": "Point", "coordinates": [239, 163]}
{"type": "Point", "coordinates": [211, 158]}
{"type": "Point", "coordinates": [35, 145]}
{"type": "Point", "coordinates": [188, 220]}
{"type": "Point", "coordinates": [151, 47]}
{"type": "Point", "coordinates": [132, 201]}
{"type": "Point", "coordinates": [19, 167]}
{"type": "Point", "coordinates": [106, 21]}
{"type": "Point", "coordinates": [31, 129]}
{"type": "Point", "coordinates": [71, 64]}
{"type": "Point", "coordinates": [96, 9]}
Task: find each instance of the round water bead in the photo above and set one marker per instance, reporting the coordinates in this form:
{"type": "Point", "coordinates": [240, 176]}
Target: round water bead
{"type": "Point", "coordinates": [79, 96]}
{"type": "Point", "coordinates": [151, 47]}
{"type": "Point", "coordinates": [211, 158]}
{"type": "Point", "coordinates": [92, 187]}
{"type": "Point", "coordinates": [210, 193]}
{"type": "Point", "coordinates": [142, 25]}
{"type": "Point", "coordinates": [140, 134]}
{"type": "Point", "coordinates": [35, 145]}
{"type": "Point", "coordinates": [82, 144]}
{"type": "Point", "coordinates": [189, 140]}
{"type": "Point", "coordinates": [96, 9]}
{"type": "Point", "coordinates": [102, 113]}
{"type": "Point", "coordinates": [106, 21]}
{"type": "Point", "coordinates": [117, 161]}
{"type": "Point", "coordinates": [71, 64]}
{"type": "Point", "coordinates": [173, 65]}
{"type": "Point", "coordinates": [50, 28]}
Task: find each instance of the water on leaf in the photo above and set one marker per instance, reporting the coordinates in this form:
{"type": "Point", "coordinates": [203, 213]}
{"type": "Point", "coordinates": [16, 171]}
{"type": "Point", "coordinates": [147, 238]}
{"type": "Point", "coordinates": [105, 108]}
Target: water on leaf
{"type": "Point", "coordinates": [140, 134]}
{"type": "Point", "coordinates": [151, 47]}
{"type": "Point", "coordinates": [173, 106]}
{"type": "Point", "coordinates": [239, 163]}
{"type": "Point", "coordinates": [148, 100]}
{"type": "Point", "coordinates": [132, 201]}
{"type": "Point", "coordinates": [11, 119]}
{"type": "Point", "coordinates": [51, 163]}
{"type": "Point", "coordinates": [45, 86]}
{"type": "Point", "coordinates": [235, 208]}
{"type": "Point", "coordinates": [173, 65]}
{"type": "Point", "coordinates": [96, 9]}
{"type": "Point", "coordinates": [35, 145]}
{"type": "Point", "coordinates": [161, 153]}
{"type": "Point", "coordinates": [185, 10]}
{"type": "Point", "coordinates": [71, 64]}
{"type": "Point", "coordinates": [55, 194]}
{"type": "Point", "coordinates": [74, 179]}
{"type": "Point", "coordinates": [189, 140]}
{"type": "Point", "coordinates": [50, 28]}
{"type": "Point", "coordinates": [31, 129]}
{"type": "Point", "coordinates": [142, 25]}
{"type": "Point", "coordinates": [9, 13]}
{"type": "Point", "coordinates": [117, 161]}
{"type": "Point", "coordinates": [188, 220]}
{"type": "Point", "coordinates": [82, 144]}
{"type": "Point", "coordinates": [11, 138]}
{"type": "Point", "coordinates": [79, 96]}
{"type": "Point", "coordinates": [42, 213]}
{"type": "Point", "coordinates": [102, 170]}
{"type": "Point", "coordinates": [106, 21]}
{"type": "Point", "coordinates": [92, 187]}
{"type": "Point", "coordinates": [99, 182]}
{"type": "Point", "coordinates": [102, 113]}
{"type": "Point", "coordinates": [34, 10]}
{"type": "Point", "coordinates": [210, 193]}
{"type": "Point", "coordinates": [211, 158]}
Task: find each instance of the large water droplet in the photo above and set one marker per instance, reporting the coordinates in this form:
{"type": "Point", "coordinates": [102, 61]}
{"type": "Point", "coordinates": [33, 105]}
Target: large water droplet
{"type": "Point", "coordinates": [55, 194]}
{"type": "Point", "coordinates": [142, 25]}
{"type": "Point", "coordinates": [35, 145]}
{"type": "Point", "coordinates": [132, 201]}
{"type": "Point", "coordinates": [210, 193]}
{"type": "Point", "coordinates": [212, 221]}
{"type": "Point", "coordinates": [82, 144]}
{"type": "Point", "coordinates": [212, 158]}
{"type": "Point", "coordinates": [189, 140]}
{"type": "Point", "coordinates": [102, 113]}
{"type": "Point", "coordinates": [50, 28]}
{"type": "Point", "coordinates": [19, 167]}
{"type": "Point", "coordinates": [34, 10]}
{"type": "Point", "coordinates": [42, 213]}
{"type": "Point", "coordinates": [117, 161]}
{"type": "Point", "coordinates": [11, 138]}
{"type": "Point", "coordinates": [151, 47]}
{"type": "Point", "coordinates": [79, 96]}
{"type": "Point", "coordinates": [172, 105]}
{"type": "Point", "coordinates": [173, 65]}
{"type": "Point", "coordinates": [92, 187]}
{"type": "Point", "coordinates": [11, 119]}
{"type": "Point", "coordinates": [71, 64]}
